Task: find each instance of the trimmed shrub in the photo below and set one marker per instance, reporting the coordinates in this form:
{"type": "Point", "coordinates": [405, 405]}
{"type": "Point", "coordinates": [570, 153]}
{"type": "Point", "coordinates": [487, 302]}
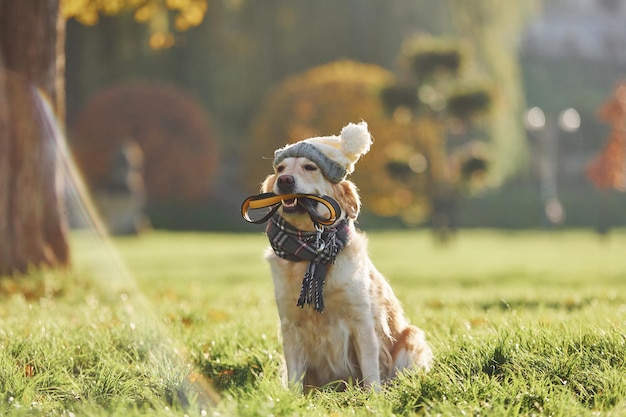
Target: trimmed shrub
{"type": "Point", "coordinates": [172, 129]}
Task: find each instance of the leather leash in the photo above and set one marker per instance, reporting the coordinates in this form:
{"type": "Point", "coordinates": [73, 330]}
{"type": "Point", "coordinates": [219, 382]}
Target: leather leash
{"type": "Point", "coordinates": [275, 200]}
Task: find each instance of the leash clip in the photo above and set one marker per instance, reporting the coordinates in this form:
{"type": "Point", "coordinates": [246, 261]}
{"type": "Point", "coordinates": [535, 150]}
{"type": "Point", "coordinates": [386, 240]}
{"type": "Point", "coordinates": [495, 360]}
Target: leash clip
{"type": "Point", "coordinates": [319, 242]}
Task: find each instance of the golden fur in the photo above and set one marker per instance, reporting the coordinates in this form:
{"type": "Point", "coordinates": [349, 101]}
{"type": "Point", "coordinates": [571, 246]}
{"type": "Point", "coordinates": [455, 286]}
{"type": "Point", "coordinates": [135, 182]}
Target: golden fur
{"type": "Point", "coordinates": [362, 336]}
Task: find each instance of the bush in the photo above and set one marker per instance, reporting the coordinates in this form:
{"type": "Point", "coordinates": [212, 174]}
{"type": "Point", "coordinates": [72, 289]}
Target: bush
{"type": "Point", "coordinates": [172, 129]}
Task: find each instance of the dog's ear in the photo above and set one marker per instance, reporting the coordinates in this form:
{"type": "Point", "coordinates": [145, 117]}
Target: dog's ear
{"type": "Point", "coordinates": [268, 185]}
{"type": "Point", "coordinates": [348, 198]}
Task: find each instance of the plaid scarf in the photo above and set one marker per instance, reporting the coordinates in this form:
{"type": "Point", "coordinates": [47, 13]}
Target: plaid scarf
{"type": "Point", "coordinates": [319, 248]}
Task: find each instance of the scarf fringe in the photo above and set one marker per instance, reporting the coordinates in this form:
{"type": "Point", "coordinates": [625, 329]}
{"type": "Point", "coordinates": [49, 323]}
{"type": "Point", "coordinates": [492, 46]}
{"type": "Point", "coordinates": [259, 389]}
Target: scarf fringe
{"type": "Point", "coordinates": [312, 291]}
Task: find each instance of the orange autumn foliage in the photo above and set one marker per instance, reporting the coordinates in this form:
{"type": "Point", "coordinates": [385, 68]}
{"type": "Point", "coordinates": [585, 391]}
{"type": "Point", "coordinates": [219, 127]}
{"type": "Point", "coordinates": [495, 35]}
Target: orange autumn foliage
{"type": "Point", "coordinates": [608, 168]}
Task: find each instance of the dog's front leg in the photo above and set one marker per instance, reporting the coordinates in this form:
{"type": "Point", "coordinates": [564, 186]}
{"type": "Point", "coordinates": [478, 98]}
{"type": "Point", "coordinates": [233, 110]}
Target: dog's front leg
{"type": "Point", "coordinates": [296, 361]}
{"type": "Point", "coordinates": [368, 352]}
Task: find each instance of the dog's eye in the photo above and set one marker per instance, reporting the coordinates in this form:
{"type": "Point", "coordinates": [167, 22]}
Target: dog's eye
{"type": "Point", "coordinates": [310, 167]}
{"type": "Point", "coordinates": [280, 168]}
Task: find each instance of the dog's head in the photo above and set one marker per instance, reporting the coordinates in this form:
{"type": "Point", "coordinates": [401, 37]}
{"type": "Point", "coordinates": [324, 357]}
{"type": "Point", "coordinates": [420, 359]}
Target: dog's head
{"type": "Point", "coordinates": [319, 166]}
{"type": "Point", "coordinates": [302, 176]}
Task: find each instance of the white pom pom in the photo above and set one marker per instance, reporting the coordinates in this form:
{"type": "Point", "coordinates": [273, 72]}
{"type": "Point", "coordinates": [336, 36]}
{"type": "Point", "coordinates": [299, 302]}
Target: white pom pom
{"type": "Point", "coordinates": [355, 140]}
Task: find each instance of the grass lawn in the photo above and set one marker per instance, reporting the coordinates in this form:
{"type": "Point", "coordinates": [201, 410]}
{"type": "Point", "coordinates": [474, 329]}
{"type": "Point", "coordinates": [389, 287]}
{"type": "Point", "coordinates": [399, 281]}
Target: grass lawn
{"type": "Point", "coordinates": [521, 323]}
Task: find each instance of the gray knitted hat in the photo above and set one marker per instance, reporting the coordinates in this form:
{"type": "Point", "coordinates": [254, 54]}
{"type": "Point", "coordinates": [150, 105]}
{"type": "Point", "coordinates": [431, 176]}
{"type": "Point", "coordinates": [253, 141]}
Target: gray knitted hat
{"type": "Point", "coordinates": [335, 156]}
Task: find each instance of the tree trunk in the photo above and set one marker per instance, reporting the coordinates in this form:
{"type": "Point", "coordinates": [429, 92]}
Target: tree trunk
{"type": "Point", "coordinates": [33, 231]}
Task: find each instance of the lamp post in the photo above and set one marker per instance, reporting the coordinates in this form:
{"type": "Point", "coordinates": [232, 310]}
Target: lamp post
{"type": "Point", "coordinates": [548, 131]}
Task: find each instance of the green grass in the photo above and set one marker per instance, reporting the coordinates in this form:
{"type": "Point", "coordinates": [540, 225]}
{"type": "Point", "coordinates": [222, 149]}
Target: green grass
{"type": "Point", "coordinates": [521, 323]}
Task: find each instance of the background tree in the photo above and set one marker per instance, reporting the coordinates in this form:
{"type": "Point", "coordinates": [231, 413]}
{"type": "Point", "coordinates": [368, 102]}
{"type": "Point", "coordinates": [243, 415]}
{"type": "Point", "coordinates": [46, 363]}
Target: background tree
{"type": "Point", "coordinates": [434, 90]}
{"type": "Point", "coordinates": [491, 29]}
{"type": "Point", "coordinates": [32, 229]}
{"type": "Point", "coordinates": [163, 17]}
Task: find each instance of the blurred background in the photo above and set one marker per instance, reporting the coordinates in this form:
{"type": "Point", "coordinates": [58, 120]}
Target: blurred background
{"type": "Point", "coordinates": [484, 113]}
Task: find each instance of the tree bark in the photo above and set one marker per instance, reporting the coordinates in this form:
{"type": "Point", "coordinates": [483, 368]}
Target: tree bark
{"type": "Point", "coordinates": [33, 230]}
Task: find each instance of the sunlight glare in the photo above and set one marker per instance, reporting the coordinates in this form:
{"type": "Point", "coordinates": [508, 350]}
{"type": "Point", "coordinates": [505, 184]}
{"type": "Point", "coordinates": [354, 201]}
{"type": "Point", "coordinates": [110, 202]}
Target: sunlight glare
{"type": "Point", "coordinates": [104, 264]}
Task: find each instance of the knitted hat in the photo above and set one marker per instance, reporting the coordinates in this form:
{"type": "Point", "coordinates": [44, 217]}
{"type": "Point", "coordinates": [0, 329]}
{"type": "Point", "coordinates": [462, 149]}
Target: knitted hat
{"type": "Point", "coordinates": [335, 156]}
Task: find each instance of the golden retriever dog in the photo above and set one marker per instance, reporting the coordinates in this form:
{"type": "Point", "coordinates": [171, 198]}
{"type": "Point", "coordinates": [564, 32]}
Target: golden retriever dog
{"type": "Point", "coordinates": [361, 335]}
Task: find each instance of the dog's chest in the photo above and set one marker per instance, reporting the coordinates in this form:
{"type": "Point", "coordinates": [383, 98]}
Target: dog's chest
{"type": "Point", "coordinates": [325, 337]}
{"type": "Point", "coordinates": [288, 277]}
{"type": "Point", "coordinates": [327, 333]}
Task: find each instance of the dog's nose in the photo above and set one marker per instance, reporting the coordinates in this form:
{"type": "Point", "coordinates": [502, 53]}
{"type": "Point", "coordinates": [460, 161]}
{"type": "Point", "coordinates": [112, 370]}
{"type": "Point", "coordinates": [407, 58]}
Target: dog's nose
{"type": "Point", "coordinates": [286, 183]}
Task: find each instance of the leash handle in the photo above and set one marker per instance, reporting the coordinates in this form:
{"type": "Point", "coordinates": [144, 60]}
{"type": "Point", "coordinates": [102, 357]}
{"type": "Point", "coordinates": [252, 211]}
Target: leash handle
{"type": "Point", "coordinates": [274, 201]}
{"type": "Point", "coordinates": [256, 202]}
